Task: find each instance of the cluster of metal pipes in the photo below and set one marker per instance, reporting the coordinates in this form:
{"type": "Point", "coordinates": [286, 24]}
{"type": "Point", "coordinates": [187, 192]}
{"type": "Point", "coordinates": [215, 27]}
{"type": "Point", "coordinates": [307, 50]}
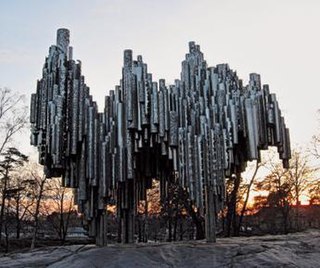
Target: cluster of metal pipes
{"type": "Point", "coordinates": [197, 132]}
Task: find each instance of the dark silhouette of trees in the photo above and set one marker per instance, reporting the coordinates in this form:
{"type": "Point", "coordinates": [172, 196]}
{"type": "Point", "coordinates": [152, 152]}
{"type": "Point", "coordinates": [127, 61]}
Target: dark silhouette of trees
{"type": "Point", "coordinates": [314, 193]}
{"type": "Point", "coordinates": [301, 175]}
{"type": "Point", "coordinates": [13, 118]}
{"type": "Point", "coordinates": [232, 189]}
{"type": "Point", "coordinates": [247, 191]}
{"type": "Point", "coordinates": [279, 187]}
{"type": "Point", "coordinates": [12, 160]}
{"type": "Point", "coordinates": [39, 189]}
{"type": "Point", "coordinates": [20, 199]}
{"type": "Point", "coordinates": [177, 206]}
{"type": "Point", "coordinates": [61, 202]}
{"type": "Point", "coordinates": [285, 186]}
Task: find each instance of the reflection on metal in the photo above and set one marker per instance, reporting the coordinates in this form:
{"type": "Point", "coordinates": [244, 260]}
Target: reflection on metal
{"type": "Point", "coordinates": [201, 130]}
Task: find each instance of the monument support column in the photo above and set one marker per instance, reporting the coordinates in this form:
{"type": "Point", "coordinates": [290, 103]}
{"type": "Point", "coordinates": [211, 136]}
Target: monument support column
{"type": "Point", "coordinates": [128, 213]}
{"type": "Point", "coordinates": [210, 214]}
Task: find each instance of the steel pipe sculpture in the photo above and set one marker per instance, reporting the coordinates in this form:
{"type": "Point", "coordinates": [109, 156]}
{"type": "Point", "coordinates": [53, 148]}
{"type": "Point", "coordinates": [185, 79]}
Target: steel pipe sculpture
{"type": "Point", "coordinates": [199, 131]}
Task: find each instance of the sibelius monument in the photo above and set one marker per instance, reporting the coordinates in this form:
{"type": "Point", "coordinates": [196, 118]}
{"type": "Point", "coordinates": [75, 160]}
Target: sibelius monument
{"type": "Point", "coordinates": [196, 133]}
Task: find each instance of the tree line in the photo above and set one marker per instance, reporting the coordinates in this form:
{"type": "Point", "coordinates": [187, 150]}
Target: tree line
{"type": "Point", "coordinates": [27, 196]}
{"type": "Point", "coordinates": [274, 208]}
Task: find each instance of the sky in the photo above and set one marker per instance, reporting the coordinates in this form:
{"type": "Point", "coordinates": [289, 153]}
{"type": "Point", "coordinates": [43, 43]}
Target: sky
{"type": "Point", "coordinates": [279, 39]}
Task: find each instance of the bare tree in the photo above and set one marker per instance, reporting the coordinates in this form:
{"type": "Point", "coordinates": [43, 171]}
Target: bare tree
{"type": "Point", "coordinates": [314, 188]}
{"type": "Point", "coordinates": [39, 190]}
{"type": "Point", "coordinates": [279, 187]}
{"type": "Point", "coordinates": [314, 192]}
{"type": "Point", "coordinates": [285, 186]}
{"type": "Point", "coordinates": [175, 206]}
{"type": "Point", "coordinates": [20, 199]}
{"type": "Point", "coordinates": [12, 160]}
{"type": "Point", "coordinates": [248, 190]}
{"type": "Point", "coordinates": [61, 202]}
{"type": "Point", "coordinates": [13, 116]}
{"type": "Point", "coordinates": [301, 173]}
{"type": "Point", "coordinates": [302, 176]}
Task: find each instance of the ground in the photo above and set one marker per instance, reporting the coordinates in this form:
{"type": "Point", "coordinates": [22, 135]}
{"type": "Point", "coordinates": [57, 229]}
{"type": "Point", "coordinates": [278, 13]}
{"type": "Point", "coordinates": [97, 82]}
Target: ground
{"type": "Point", "coordinates": [293, 250]}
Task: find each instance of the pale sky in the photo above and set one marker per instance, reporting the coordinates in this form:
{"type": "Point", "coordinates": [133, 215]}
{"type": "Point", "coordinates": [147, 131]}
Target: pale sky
{"type": "Point", "coordinates": [280, 39]}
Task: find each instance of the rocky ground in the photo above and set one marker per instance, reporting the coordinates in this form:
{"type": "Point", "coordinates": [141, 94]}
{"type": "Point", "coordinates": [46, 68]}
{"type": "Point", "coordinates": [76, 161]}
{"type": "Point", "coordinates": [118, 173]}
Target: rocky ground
{"type": "Point", "coordinates": [293, 250]}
